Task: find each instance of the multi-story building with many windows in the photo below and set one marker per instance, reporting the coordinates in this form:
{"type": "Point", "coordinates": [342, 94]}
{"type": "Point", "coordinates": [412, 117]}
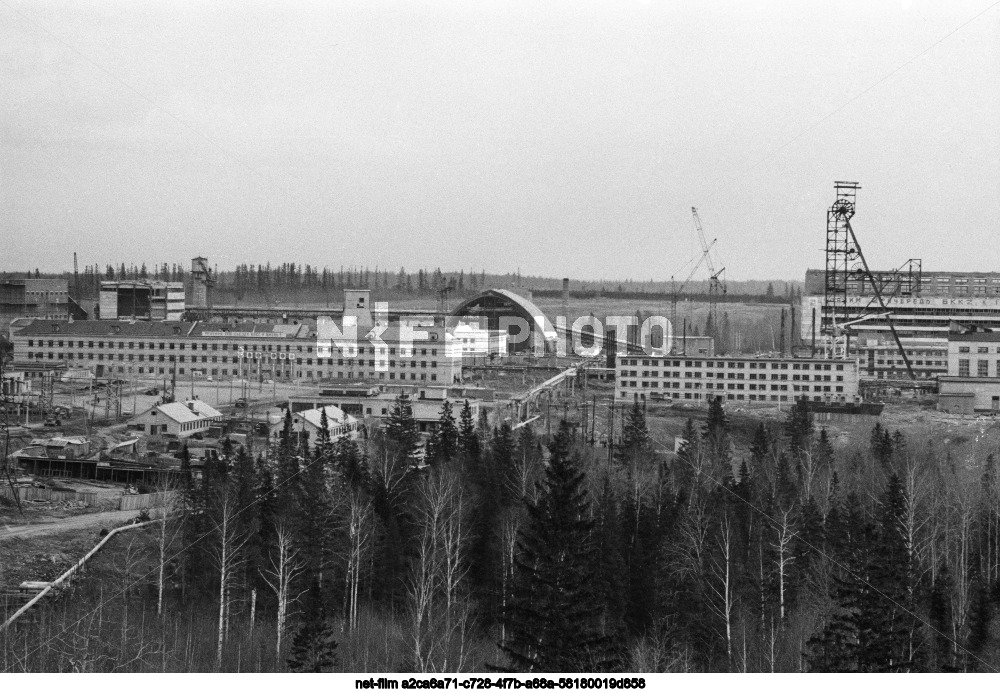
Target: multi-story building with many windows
{"type": "Point", "coordinates": [255, 351]}
{"type": "Point", "coordinates": [775, 380]}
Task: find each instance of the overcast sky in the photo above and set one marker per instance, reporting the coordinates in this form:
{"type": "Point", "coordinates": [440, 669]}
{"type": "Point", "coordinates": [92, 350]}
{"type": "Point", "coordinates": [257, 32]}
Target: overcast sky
{"type": "Point", "coordinates": [564, 139]}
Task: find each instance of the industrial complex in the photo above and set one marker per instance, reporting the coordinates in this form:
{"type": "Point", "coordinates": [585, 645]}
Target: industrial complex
{"type": "Point", "coordinates": [860, 331]}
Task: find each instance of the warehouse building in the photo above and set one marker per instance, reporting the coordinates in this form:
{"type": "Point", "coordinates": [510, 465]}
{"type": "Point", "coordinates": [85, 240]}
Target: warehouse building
{"type": "Point", "coordinates": [742, 379]}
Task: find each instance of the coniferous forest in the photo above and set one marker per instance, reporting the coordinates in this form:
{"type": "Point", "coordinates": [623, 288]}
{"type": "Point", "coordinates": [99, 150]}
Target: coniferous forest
{"type": "Point", "coordinates": [763, 549]}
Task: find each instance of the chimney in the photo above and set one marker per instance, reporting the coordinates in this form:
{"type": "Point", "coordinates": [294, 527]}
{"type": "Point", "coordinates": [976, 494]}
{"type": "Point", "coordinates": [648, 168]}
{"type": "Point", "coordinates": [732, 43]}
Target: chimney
{"type": "Point", "coordinates": [565, 298]}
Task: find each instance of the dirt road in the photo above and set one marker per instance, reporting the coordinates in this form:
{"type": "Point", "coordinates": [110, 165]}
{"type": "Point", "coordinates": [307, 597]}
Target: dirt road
{"type": "Point", "coordinates": [88, 522]}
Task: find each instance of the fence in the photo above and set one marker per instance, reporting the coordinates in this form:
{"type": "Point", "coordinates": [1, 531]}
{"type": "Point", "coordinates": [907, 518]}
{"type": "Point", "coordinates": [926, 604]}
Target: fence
{"type": "Point", "coordinates": [140, 502]}
{"type": "Point", "coordinates": [30, 493]}
{"type": "Point", "coordinates": [147, 500]}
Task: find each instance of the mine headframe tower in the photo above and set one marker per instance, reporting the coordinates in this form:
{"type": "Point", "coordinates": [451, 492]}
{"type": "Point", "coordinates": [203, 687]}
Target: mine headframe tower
{"type": "Point", "coordinates": [845, 267]}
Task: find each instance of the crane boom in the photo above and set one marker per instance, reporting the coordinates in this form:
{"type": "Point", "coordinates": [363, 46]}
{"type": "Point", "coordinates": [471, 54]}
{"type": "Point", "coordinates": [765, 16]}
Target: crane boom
{"type": "Point", "coordinates": [705, 247]}
{"type": "Point", "coordinates": [703, 258]}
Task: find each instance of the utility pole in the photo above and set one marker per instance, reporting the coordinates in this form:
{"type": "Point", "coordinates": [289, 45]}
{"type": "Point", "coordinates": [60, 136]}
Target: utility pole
{"type": "Point", "coordinates": [611, 430]}
{"type": "Point", "coordinates": [593, 423]}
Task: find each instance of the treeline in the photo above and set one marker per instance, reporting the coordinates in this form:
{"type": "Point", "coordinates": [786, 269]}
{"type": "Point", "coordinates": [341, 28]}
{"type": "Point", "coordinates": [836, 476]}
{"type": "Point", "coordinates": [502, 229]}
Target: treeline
{"type": "Point", "coordinates": [305, 282]}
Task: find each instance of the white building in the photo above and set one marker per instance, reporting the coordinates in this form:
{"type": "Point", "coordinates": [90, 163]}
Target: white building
{"type": "Point", "coordinates": [737, 378]}
{"type": "Point", "coordinates": [181, 419]}
{"type": "Point", "coordinates": [475, 341]}
{"type": "Point", "coordinates": [309, 421]}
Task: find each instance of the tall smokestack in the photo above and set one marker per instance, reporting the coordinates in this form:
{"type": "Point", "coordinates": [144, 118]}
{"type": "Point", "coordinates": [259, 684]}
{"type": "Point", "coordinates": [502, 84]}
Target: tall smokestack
{"type": "Point", "coordinates": [565, 298]}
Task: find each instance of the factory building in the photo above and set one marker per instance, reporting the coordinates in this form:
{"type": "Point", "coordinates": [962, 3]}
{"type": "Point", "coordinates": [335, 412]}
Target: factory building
{"type": "Point", "coordinates": [141, 300]}
{"type": "Point", "coordinates": [742, 379]}
{"type": "Point", "coordinates": [921, 305]}
{"type": "Point", "coordinates": [924, 284]}
{"type": "Point", "coordinates": [45, 299]}
{"type": "Point", "coordinates": [325, 350]}
{"type": "Point", "coordinates": [972, 384]}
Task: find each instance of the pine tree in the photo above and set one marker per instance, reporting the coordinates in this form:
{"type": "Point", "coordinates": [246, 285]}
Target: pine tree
{"type": "Point", "coordinates": [636, 445]}
{"type": "Point", "coordinates": [503, 452]}
{"type": "Point", "coordinates": [443, 445]}
{"type": "Point", "coordinates": [873, 628]}
{"type": "Point", "coordinates": [468, 437]}
{"type": "Point", "coordinates": [716, 439]}
{"type": "Point", "coordinates": [554, 622]}
{"type": "Point", "coordinates": [314, 647]}
{"type": "Point", "coordinates": [824, 450]}
{"type": "Point", "coordinates": [611, 573]}
{"type": "Point", "coordinates": [760, 446]}
{"type": "Point", "coordinates": [799, 428]}
{"type": "Point", "coordinates": [401, 429]}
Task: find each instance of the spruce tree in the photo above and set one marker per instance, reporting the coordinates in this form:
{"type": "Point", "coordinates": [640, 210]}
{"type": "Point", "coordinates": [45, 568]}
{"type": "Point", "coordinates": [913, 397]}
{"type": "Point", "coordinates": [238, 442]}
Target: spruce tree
{"type": "Point", "coordinates": [314, 646]}
{"type": "Point", "coordinates": [554, 621]}
{"type": "Point", "coordinates": [443, 444]}
{"type": "Point", "coordinates": [401, 429]}
{"type": "Point", "coordinates": [636, 445]}
{"type": "Point", "coordinates": [799, 428]}
{"type": "Point", "coordinates": [468, 437]}
{"type": "Point", "coordinates": [716, 439]}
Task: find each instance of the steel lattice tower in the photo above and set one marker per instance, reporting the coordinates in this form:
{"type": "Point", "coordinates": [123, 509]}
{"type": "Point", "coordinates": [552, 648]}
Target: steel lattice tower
{"type": "Point", "coordinates": [841, 255]}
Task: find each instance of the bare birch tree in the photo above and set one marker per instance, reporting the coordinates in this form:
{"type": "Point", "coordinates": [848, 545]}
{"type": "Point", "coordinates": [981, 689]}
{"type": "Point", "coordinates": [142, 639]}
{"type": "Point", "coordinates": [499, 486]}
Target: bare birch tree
{"type": "Point", "coordinates": [285, 569]}
{"type": "Point", "coordinates": [228, 556]}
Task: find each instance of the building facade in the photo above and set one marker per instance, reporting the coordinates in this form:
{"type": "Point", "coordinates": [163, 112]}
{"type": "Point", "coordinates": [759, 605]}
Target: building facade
{"type": "Point", "coordinates": [252, 351]}
{"type": "Point", "coordinates": [926, 284]}
{"type": "Point", "coordinates": [141, 299]}
{"type": "Point", "coordinates": [772, 380]}
{"type": "Point", "coordinates": [972, 384]}
{"type": "Point", "coordinates": [881, 360]}
{"type": "Point", "coordinates": [181, 419]}
{"type": "Point", "coordinates": [45, 299]}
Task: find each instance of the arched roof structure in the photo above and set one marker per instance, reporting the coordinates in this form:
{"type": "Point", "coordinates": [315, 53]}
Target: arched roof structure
{"type": "Point", "coordinates": [494, 304]}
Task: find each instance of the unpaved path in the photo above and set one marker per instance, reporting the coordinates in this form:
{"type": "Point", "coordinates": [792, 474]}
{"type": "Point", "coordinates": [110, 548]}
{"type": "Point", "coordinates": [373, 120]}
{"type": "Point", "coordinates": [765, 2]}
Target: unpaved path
{"type": "Point", "coordinates": [54, 526]}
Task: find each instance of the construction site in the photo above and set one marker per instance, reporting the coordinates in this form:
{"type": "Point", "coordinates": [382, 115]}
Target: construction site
{"type": "Point", "coordinates": [104, 417]}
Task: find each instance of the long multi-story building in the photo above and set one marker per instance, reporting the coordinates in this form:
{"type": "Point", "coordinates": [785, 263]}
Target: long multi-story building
{"type": "Point", "coordinates": [881, 360]}
{"type": "Point", "coordinates": [925, 284]}
{"type": "Point", "coordinates": [921, 306]}
{"type": "Point", "coordinates": [257, 351]}
{"type": "Point", "coordinates": [742, 379]}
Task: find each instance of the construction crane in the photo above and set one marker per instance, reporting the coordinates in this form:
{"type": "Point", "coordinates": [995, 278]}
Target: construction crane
{"type": "Point", "coordinates": [715, 284]}
{"type": "Point", "coordinates": [680, 289]}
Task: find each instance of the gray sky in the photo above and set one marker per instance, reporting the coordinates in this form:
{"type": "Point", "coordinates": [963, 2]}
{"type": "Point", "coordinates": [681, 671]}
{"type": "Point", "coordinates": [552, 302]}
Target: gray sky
{"type": "Point", "coordinates": [559, 138]}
